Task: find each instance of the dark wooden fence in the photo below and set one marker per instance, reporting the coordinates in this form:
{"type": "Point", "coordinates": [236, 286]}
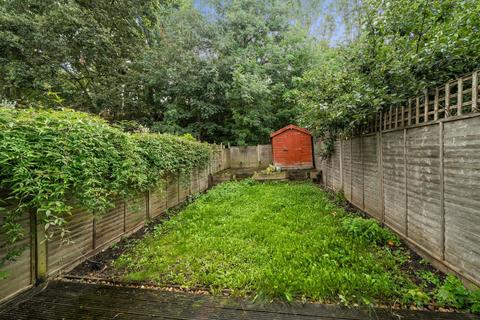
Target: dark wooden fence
{"type": "Point", "coordinates": [418, 172]}
{"type": "Point", "coordinates": [89, 234]}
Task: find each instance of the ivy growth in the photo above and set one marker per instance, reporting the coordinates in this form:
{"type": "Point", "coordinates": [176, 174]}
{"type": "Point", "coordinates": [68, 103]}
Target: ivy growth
{"type": "Point", "coordinates": [53, 160]}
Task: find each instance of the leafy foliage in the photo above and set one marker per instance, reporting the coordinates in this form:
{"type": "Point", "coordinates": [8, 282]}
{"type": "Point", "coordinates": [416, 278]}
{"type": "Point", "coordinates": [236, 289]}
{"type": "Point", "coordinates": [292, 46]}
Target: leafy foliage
{"type": "Point", "coordinates": [368, 230]}
{"type": "Point", "coordinates": [79, 50]}
{"type": "Point", "coordinates": [54, 160]}
{"type": "Point", "coordinates": [416, 297]}
{"type": "Point", "coordinates": [225, 77]}
{"type": "Point", "coordinates": [452, 293]}
{"type": "Point", "coordinates": [402, 48]}
{"type": "Point", "coordinates": [237, 70]}
{"type": "Point", "coordinates": [220, 77]}
{"type": "Point", "coordinates": [429, 278]}
{"type": "Point", "coordinates": [163, 154]}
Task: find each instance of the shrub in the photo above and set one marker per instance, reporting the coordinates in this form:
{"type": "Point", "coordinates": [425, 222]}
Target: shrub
{"type": "Point", "coordinates": [163, 154]}
{"type": "Point", "coordinates": [454, 294]}
{"type": "Point", "coordinates": [368, 230]}
{"type": "Point", "coordinates": [52, 160]}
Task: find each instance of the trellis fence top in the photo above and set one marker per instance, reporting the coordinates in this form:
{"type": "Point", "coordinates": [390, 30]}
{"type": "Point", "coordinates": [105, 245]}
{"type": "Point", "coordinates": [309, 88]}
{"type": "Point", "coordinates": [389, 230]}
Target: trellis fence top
{"type": "Point", "coordinates": [456, 98]}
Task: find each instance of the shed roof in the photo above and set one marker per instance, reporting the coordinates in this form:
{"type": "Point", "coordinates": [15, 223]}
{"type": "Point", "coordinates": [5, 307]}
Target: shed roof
{"type": "Point", "coordinates": [289, 127]}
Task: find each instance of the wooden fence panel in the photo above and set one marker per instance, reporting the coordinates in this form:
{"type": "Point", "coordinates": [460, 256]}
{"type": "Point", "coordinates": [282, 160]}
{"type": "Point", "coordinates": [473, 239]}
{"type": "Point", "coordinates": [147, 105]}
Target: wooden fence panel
{"type": "Point", "coordinates": [19, 272]}
{"type": "Point", "coordinates": [110, 225]}
{"type": "Point", "coordinates": [371, 191]}
{"type": "Point", "coordinates": [203, 179]}
{"type": "Point", "coordinates": [75, 244]}
{"type": "Point", "coordinates": [217, 161]}
{"type": "Point", "coordinates": [357, 173]}
{"type": "Point", "coordinates": [421, 174]}
{"type": "Point", "coordinates": [265, 155]}
{"type": "Point", "coordinates": [88, 233]}
{"type": "Point", "coordinates": [194, 185]}
{"type": "Point", "coordinates": [172, 190]}
{"type": "Point", "coordinates": [329, 172]}
{"type": "Point", "coordinates": [394, 180]}
{"type": "Point", "coordinates": [347, 168]}
{"type": "Point", "coordinates": [423, 188]}
{"type": "Point", "coordinates": [244, 157]}
{"type": "Point", "coordinates": [336, 177]}
{"type": "Point", "coordinates": [135, 212]}
{"type": "Point", "coordinates": [320, 163]}
{"type": "Point", "coordinates": [158, 201]}
{"type": "Point", "coordinates": [462, 201]}
{"type": "Point", "coordinates": [183, 187]}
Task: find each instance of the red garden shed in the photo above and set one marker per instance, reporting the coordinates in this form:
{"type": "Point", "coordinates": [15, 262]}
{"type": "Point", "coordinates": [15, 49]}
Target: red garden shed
{"type": "Point", "coordinates": [292, 147]}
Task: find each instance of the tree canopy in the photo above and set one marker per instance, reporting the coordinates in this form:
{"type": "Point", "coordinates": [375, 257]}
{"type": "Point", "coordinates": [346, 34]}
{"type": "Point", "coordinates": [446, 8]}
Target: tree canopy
{"type": "Point", "coordinates": [403, 47]}
{"type": "Point", "coordinates": [221, 77]}
{"type": "Point", "coordinates": [233, 70]}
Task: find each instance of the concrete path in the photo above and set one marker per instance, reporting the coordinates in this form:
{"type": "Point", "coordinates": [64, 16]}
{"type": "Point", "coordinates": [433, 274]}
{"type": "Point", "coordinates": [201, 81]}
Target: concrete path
{"type": "Point", "coordinates": [73, 300]}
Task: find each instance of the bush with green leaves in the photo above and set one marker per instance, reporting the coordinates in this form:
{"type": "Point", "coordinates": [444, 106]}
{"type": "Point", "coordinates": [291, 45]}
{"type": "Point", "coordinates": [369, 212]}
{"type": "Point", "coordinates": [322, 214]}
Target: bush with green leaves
{"type": "Point", "coordinates": [164, 153]}
{"type": "Point", "coordinates": [452, 293]}
{"type": "Point", "coordinates": [368, 230]}
{"type": "Point", "coordinates": [402, 47]}
{"type": "Point", "coordinates": [53, 160]}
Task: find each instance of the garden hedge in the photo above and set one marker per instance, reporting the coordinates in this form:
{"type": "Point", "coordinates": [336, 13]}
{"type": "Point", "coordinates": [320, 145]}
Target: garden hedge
{"type": "Point", "coordinates": [53, 160]}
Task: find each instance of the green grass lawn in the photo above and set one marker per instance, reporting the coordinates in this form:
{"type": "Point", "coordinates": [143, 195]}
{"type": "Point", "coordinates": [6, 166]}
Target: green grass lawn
{"type": "Point", "coordinates": [274, 240]}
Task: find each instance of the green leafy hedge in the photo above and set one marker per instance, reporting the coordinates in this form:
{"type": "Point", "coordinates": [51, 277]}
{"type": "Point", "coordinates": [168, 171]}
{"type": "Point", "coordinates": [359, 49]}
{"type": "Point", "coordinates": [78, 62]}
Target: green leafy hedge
{"type": "Point", "coordinates": [53, 160]}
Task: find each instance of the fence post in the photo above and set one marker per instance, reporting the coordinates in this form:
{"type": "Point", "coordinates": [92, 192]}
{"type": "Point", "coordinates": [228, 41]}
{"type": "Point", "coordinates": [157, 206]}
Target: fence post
{"type": "Point", "coordinates": [426, 103]}
{"type": "Point", "coordinates": [124, 216]}
{"type": "Point", "coordinates": [147, 204]}
{"type": "Point", "coordinates": [258, 156]}
{"type": "Point", "coordinates": [229, 157]}
{"type": "Point", "coordinates": [406, 179]}
{"type": "Point", "coordinates": [442, 190]}
{"type": "Point", "coordinates": [447, 100]}
{"type": "Point", "coordinates": [178, 187]}
{"type": "Point", "coordinates": [94, 233]}
{"type": "Point", "coordinates": [475, 91]}
{"type": "Point", "coordinates": [396, 116]}
{"type": "Point", "coordinates": [351, 170]}
{"type": "Point", "coordinates": [33, 248]}
{"type": "Point", "coordinates": [417, 110]}
{"type": "Point", "coordinates": [409, 111]}
{"type": "Point", "coordinates": [459, 96]}
{"type": "Point", "coordinates": [166, 193]}
{"type": "Point", "coordinates": [341, 165]}
{"type": "Point", "coordinates": [41, 250]}
{"type": "Point", "coordinates": [326, 162]}
{"type": "Point", "coordinates": [380, 176]}
{"type": "Point", "coordinates": [390, 118]}
{"type": "Point", "coordinates": [363, 172]}
{"type": "Point", "coordinates": [402, 118]}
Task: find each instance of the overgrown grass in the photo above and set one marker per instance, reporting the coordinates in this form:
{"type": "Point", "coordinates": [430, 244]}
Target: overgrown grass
{"type": "Point", "coordinates": [276, 240]}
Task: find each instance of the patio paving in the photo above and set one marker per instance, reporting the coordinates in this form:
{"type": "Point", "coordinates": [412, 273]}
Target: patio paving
{"type": "Point", "coordinates": [75, 300]}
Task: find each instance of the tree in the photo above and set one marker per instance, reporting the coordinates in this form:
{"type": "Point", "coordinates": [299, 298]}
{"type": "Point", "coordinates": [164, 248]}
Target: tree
{"type": "Point", "coordinates": [227, 75]}
{"type": "Point", "coordinates": [403, 48]}
{"type": "Point", "coordinates": [78, 50]}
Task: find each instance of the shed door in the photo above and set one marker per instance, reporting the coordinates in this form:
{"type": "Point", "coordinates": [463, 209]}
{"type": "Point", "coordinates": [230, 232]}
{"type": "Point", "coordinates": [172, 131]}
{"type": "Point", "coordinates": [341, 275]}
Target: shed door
{"type": "Point", "coordinates": [293, 147]}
